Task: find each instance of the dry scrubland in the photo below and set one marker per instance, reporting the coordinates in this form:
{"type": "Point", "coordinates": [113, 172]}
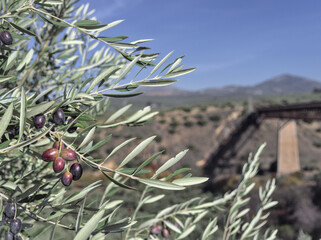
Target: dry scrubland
{"type": "Point", "coordinates": [202, 129]}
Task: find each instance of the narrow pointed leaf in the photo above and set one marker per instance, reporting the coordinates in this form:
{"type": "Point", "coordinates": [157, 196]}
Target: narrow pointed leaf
{"type": "Point", "coordinates": [157, 83]}
{"type": "Point", "coordinates": [160, 63]}
{"type": "Point", "coordinates": [118, 113]}
{"type": "Point", "coordinates": [146, 162]}
{"type": "Point", "coordinates": [179, 73]}
{"type": "Point", "coordinates": [190, 181]}
{"type": "Point", "coordinates": [136, 151]}
{"type": "Point", "coordinates": [23, 108]}
{"type": "Point", "coordinates": [105, 74]}
{"type": "Point", "coordinates": [160, 184]}
{"type": "Point", "coordinates": [88, 137]}
{"type": "Point", "coordinates": [39, 108]}
{"type": "Point", "coordinates": [119, 147]}
{"type": "Point", "coordinates": [170, 163]}
{"type": "Point", "coordinates": [127, 95]}
{"type": "Point", "coordinates": [5, 120]}
{"type": "Point", "coordinates": [90, 226]}
{"type": "Point", "coordinates": [127, 69]}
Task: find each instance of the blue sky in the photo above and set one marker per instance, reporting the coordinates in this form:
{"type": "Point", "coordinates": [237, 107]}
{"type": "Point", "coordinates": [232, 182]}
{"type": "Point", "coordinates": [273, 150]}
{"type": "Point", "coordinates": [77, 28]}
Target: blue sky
{"type": "Point", "coordinates": [229, 42]}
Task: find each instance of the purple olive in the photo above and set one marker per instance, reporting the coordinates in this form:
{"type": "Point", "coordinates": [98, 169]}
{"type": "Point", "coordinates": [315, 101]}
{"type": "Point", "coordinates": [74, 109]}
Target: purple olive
{"type": "Point", "coordinates": [68, 154]}
{"type": "Point", "coordinates": [72, 128]}
{"type": "Point", "coordinates": [58, 145]}
{"type": "Point", "coordinates": [6, 37]}
{"type": "Point", "coordinates": [50, 154]}
{"type": "Point", "coordinates": [66, 178]}
{"type": "Point", "coordinates": [58, 165]}
{"type": "Point", "coordinates": [39, 121]}
{"type": "Point", "coordinates": [15, 226]}
{"type": "Point", "coordinates": [76, 171]}
{"type": "Point", "coordinates": [10, 210]}
{"type": "Point", "coordinates": [8, 236]}
{"type": "Point", "coordinates": [59, 116]}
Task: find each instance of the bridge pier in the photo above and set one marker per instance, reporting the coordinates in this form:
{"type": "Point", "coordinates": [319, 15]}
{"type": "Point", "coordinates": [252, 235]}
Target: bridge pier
{"type": "Point", "coordinates": [288, 152]}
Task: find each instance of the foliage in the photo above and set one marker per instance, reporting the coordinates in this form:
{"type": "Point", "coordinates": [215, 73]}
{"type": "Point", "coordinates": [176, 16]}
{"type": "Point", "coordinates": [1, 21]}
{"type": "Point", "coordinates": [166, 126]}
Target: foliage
{"type": "Point", "coordinates": [62, 61]}
{"type": "Point", "coordinates": [53, 65]}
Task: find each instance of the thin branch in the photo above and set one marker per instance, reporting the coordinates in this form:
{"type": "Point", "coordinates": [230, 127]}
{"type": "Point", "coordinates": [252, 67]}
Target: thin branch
{"type": "Point", "coordinates": [36, 216]}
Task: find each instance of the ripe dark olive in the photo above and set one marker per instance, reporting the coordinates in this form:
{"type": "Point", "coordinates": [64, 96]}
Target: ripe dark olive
{"type": "Point", "coordinates": [50, 154]}
{"type": "Point", "coordinates": [58, 165]}
{"type": "Point", "coordinates": [76, 171]}
{"type": "Point", "coordinates": [72, 128]}
{"type": "Point", "coordinates": [8, 236]}
{"type": "Point", "coordinates": [17, 238]}
{"type": "Point", "coordinates": [10, 210]}
{"type": "Point", "coordinates": [68, 154]}
{"type": "Point", "coordinates": [58, 146]}
{"type": "Point", "coordinates": [165, 233]}
{"type": "Point", "coordinates": [6, 37]}
{"type": "Point", "coordinates": [66, 178]}
{"type": "Point", "coordinates": [39, 121]}
{"type": "Point", "coordinates": [59, 116]}
{"type": "Point", "coordinates": [15, 226]}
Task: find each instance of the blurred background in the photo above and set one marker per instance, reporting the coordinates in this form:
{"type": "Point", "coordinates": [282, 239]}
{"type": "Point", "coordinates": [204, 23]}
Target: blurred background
{"type": "Point", "coordinates": [257, 80]}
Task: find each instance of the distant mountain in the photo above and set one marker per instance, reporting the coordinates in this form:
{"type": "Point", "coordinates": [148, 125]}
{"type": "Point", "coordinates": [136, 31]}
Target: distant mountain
{"type": "Point", "coordinates": [281, 85]}
{"type": "Point", "coordinates": [286, 84]}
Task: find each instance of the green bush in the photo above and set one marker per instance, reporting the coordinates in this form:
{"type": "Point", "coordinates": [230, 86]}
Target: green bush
{"type": "Point", "coordinates": [317, 143]}
{"type": "Point", "coordinates": [162, 121]}
{"type": "Point", "coordinates": [201, 122]}
{"type": "Point", "coordinates": [215, 117]}
{"type": "Point", "coordinates": [188, 124]}
{"type": "Point", "coordinates": [174, 123]}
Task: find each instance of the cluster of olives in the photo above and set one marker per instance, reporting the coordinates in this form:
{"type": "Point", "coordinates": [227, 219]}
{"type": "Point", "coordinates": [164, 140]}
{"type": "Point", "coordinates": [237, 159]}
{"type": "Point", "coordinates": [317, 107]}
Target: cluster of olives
{"type": "Point", "coordinates": [9, 218]}
{"type": "Point", "coordinates": [6, 38]}
{"type": "Point", "coordinates": [159, 230]}
{"type": "Point", "coordinates": [59, 154]}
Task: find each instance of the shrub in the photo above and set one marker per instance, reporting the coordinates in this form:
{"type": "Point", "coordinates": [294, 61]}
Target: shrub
{"type": "Point", "coordinates": [317, 143]}
{"type": "Point", "coordinates": [188, 124]}
{"type": "Point", "coordinates": [162, 121]}
{"type": "Point", "coordinates": [158, 139]}
{"type": "Point", "coordinates": [201, 122]}
{"type": "Point", "coordinates": [215, 117]}
{"type": "Point", "coordinates": [174, 123]}
{"type": "Point", "coordinates": [171, 130]}
{"type": "Point", "coordinates": [187, 109]}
